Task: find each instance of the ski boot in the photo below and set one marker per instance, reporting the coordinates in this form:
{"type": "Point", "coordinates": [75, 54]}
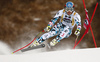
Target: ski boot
{"type": "Point", "coordinates": [35, 43]}
{"type": "Point", "coordinates": [52, 43]}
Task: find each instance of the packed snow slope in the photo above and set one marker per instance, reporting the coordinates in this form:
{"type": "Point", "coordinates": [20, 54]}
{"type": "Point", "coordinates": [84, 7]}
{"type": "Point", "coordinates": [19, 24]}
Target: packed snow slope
{"type": "Point", "coordinates": [78, 55]}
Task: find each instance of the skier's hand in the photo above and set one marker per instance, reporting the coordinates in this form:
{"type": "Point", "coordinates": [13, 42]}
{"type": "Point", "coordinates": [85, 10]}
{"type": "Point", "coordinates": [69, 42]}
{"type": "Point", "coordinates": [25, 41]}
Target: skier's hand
{"type": "Point", "coordinates": [47, 29]}
{"type": "Point", "coordinates": [77, 32]}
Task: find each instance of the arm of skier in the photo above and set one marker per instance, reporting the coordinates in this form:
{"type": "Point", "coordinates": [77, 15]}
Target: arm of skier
{"type": "Point", "coordinates": [53, 21]}
{"type": "Point", "coordinates": [78, 23]}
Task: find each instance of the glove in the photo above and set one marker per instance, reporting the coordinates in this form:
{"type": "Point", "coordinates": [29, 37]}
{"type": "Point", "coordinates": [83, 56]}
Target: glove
{"type": "Point", "coordinates": [47, 29]}
{"type": "Point", "coordinates": [77, 32]}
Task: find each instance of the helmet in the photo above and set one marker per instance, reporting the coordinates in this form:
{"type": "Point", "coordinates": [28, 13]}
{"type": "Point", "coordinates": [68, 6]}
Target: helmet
{"type": "Point", "coordinates": [69, 6]}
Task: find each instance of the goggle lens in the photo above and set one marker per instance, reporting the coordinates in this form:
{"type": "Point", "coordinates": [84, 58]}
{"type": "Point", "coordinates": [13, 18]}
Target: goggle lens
{"type": "Point", "coordinates": [69, 9]}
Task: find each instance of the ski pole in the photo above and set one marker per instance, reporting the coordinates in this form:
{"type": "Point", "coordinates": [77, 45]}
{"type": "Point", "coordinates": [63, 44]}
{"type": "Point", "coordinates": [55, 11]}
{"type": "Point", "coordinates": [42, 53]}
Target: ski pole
{"type": "Point", "coordinates": [76, 41]}
{"type": "Point", "coordinates": [29, 43]}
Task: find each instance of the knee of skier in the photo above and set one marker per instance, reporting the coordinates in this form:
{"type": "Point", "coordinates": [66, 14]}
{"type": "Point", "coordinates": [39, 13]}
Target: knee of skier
{"type": "Point", "coordinates": [48, 35]}
{"type": "Point", "coordinates": [61, 36]}
{"type": "Point", "coordinates": [45, 36]}
{"type": "Point", "coordinates": [66, 33]}
{"type": "Point", "coordinates": [69, 33]}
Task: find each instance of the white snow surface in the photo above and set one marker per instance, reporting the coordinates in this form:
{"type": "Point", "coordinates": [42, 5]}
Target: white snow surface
{"type": "Point", "coordinates": [36, 19]}
{"type": "Point", "coordinates": [4, 49]}
{"type": "Point", "coordinates": [77, 55]}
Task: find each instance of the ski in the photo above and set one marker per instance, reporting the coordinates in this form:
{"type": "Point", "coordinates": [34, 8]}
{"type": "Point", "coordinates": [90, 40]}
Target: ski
{"type": "Point", "coordinates": [31, 48]}
{"type": "Point", "coordinates": [29, 43]}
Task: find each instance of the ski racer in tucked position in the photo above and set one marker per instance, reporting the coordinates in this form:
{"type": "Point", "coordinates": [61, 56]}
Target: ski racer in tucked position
{"type": "Point", "coordinates": [63, 29]}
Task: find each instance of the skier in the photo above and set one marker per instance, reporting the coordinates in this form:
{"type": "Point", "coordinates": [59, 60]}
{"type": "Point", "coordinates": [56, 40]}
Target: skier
{"type": "Point", "coordinates": [68, 18]}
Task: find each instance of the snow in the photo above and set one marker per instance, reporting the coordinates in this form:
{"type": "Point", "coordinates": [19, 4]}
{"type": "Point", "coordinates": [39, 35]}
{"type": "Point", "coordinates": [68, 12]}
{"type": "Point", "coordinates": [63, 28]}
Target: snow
{"type": "Point", "coordinates": [36, 19]}
{"type": "Point", "coordinates": [4, 49]}
{"type": "Point", "coordinates": [77, 55]}
{"type": "Point", "coordinates": [42, 55]}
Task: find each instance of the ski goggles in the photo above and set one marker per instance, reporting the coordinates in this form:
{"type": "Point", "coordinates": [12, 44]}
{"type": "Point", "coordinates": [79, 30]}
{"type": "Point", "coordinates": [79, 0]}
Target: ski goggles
{"type": "Point", "coordinates": [69, 9]}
